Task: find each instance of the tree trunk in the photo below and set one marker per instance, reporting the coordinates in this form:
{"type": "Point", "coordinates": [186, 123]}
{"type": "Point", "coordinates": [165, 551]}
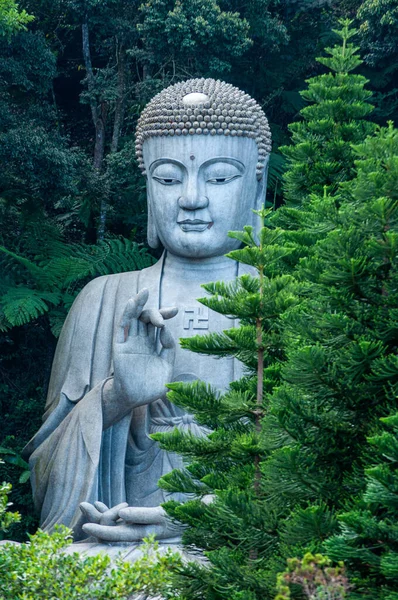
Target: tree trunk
{"type": "Point", "coordinates": [99, 114]}
{"type": "Point", "coordinates": [99, 148]}
{"type": "Point", "coordinates": [259, 411]}
{"type": "Point", "coordinates": [121, 95]}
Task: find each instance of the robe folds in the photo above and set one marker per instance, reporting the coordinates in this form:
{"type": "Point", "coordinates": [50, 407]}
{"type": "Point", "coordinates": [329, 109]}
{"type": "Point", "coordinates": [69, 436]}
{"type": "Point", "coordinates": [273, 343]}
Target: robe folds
{"type": "Point", "coordinates": [72, 460]}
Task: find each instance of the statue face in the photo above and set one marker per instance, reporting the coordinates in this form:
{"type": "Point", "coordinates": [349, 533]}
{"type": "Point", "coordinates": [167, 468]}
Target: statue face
{"type": "Point", "coordinates": [199, 188]}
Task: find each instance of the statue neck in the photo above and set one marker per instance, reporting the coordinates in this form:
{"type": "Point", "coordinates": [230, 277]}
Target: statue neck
{"type": "Point", "coordinates": [185, 265]}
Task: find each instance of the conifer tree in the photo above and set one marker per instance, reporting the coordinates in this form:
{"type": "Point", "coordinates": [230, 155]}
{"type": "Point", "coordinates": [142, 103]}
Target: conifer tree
{"type": "Point", "coordinates": [330, 372]}
{"type": "Point", "coordinates": [280, 471]}
{"type": "Point", "coordinates": [368, 542]}
{"type": "Point", "coordinates": [236, 529]}
{"type": "Point", "coordinates": [329, 339]}
{"type": "Point", "coordinates": [321, 152]}
{"type": "Point", "coordinates": [340, 375]}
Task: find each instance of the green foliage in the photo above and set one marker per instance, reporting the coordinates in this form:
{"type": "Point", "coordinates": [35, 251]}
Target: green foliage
{"type": "Point", "coordinates": [7, 518]}
{"type": "Point", "coordinates": [57, 274]}
{"type": "Point", "coordinates": [339, 376]}
{"type": "Point", "coordinates": [368, 537]}
{"type": "Point", "coordinates": [379, 28]}
{"type": "Point", "coordinates": [12, 19]}
{"type": "Point", "coordinates": [315, 576]}
{"type": "Point", "coordinates": [200, 37]}
{"type": "Point", "coordinates": [40, 569]}
{"type": "Point", "coordinates": [379, 44]}
{"type": "Point", "coordinates": [13, 458]}
{"type": "Point", "coordinates": [237, 525]}
{"type": "Point", "coordinates": [51, 198]}
{"type": "Point", "coordinates": [317, 338]}
{"type": "Point", "coordinates": [321, 156]}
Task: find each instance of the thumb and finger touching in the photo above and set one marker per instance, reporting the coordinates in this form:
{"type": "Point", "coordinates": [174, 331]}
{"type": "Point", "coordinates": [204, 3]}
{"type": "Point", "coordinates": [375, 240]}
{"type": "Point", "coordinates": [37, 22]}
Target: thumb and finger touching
{"type": "Point", "coordinates": [99, 513]}
{"type": "Point", "coordinates": [135, 311]}
{"type": "Point", "coordinates": [132, 311]}
{"type": "Point", "coordinates": [90, 512]}
{"type": "Point", "coordinates": [111, 515]}
{"type": "Point", "coordinates": [169, 312]}
{"type": "Point", "coordinates": [101, 507]}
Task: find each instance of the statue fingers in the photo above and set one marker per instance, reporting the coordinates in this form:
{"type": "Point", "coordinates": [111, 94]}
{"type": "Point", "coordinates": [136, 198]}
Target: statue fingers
{"type": "Point", "coordinates": [168, 313]}
{"type": "Point", "coordinates": [90, 512]}
{"type": "Point", "coordinates": [155, 320]}
{"type": "Point", "coordinates": [157, 317]}
{"type": "Point", "coordinates": [120, 533]}
{"type": "Point", "coordinates": [149, 321]}
{"type": "Point", "coordinates": [101, 507]}
{"type": "Point", "coordinates": [128, 322]}
{"type": "Point", "coordinates": [152, 316]}
{"type": "Point", "coordinates": [112, 514]}
{"type": "Point", "coordinates": [143, 515]}
{"type": "Point", "coordinates": [168, 345]}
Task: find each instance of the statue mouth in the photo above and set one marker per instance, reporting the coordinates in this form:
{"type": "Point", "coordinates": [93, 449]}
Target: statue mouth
{"type": "Point", "coordinates": [195, 225]}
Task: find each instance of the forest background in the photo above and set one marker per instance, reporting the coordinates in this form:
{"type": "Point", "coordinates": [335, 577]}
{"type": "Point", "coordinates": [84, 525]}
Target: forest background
{"type": "Point", "coordinates": [73, 81]}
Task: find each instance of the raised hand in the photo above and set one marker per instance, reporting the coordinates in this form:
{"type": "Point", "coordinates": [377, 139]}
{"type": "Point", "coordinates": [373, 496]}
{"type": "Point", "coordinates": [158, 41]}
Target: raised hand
{"type": "Point", "coordinates": [140, 372]}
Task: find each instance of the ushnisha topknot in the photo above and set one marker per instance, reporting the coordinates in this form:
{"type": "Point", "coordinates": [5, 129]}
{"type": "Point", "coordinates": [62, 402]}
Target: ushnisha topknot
{"type": "Point", "coordinates": [204, 107]}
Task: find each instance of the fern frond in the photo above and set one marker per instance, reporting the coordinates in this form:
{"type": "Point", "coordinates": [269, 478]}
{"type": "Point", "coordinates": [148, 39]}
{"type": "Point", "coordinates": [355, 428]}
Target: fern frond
{"type": "Point", "coordinates": [38, 274]}
{"type": "Point", "coordinates": [21, 305]}
{"type": "Point", "coordinates": [123, 255]}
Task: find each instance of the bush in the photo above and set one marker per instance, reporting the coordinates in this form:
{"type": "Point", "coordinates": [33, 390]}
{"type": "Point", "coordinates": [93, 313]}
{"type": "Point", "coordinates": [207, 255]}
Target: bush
{"type": "Point", "coordinates": [39, 570]}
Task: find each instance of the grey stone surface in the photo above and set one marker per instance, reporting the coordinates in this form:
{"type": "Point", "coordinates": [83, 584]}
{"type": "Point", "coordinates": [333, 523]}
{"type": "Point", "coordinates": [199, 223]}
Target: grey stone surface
{"type": "Point", "coordinates": [93, 466]}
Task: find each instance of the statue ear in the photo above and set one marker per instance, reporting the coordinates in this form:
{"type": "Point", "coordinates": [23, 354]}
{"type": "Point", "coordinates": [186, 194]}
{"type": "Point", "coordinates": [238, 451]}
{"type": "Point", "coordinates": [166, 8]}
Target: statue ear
{"type": "Point", "coordinates": [152, 234]}
{"type": "Point", "coordinates": [261, 192]}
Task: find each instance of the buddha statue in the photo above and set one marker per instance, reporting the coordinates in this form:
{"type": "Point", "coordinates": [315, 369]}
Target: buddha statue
{"type": "Point", "coordinates": [203, 146]}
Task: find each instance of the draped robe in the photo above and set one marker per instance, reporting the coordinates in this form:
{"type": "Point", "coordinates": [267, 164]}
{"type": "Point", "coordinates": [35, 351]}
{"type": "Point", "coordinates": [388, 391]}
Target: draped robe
{"type": "Point", "coordinates": [72, 459]}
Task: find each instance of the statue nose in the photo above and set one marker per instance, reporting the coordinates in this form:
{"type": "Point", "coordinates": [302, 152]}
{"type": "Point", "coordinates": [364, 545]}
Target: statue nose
{"type": "Point", "coordinates": [193, 201]}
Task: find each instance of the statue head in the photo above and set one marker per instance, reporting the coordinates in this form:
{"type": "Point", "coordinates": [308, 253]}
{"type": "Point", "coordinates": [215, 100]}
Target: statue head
{"type": "Point", "coordinates": [204, 147]}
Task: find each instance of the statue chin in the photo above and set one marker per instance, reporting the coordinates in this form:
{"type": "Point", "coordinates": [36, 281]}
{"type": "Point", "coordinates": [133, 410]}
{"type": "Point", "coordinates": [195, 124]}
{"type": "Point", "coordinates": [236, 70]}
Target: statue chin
{"type": "Point", "coordinates": [197, 248]}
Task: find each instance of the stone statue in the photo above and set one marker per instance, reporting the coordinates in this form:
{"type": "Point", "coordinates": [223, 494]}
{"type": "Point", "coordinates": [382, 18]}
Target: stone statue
{"type": "Point", "coordinates": [203, 146]}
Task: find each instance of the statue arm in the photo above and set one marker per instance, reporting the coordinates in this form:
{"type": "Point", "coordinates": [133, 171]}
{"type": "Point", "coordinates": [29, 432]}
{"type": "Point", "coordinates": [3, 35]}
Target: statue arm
{"type": "Point", "coordinates": [85, 407]}
{"type": "Point", "coordinates": [64, 467]}
{"type": "Point", "coordinates": [65, 453]}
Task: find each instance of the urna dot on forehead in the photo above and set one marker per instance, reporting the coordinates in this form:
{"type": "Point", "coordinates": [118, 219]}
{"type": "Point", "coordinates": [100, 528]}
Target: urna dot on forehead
{"type": "Point", "coordinates": [204, 107]}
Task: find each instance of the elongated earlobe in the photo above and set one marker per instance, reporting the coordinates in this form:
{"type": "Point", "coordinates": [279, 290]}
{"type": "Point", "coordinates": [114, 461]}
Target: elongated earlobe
{"type": "Point", "coordinates": [152, 234]}
{"type": "Point", "coordinates": [261, 192]}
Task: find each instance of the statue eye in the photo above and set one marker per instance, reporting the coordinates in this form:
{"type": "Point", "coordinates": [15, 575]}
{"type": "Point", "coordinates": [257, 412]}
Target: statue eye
{"type": "Point", "coordinates": [167, 180]}
{"type": "Point", "coordinates": [222, 180]}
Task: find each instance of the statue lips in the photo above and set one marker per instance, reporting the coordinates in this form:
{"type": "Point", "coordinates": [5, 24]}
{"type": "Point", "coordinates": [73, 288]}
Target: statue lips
{"type": "Point", "coordinates": [195, 225]}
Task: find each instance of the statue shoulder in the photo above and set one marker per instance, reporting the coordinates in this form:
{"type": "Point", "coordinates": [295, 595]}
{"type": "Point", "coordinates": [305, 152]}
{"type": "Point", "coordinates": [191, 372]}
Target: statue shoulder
{"type": "Point", "coordinates": [109, 285]}
{"type": "Point", "coordinates": [96, 287]}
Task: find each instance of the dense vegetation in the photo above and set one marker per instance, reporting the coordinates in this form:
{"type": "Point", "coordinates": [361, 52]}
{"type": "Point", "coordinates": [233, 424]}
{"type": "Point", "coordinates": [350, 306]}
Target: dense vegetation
{"type": "Point", "coordinates": [318, 339]}
{"type": "Point", "coordinates": [303, 458]}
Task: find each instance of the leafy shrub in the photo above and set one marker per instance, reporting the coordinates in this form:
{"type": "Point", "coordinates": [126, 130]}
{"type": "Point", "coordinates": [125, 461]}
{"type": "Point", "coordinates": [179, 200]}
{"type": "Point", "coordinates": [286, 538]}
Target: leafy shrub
{"type": "Point", "coordinates": [40, 570]}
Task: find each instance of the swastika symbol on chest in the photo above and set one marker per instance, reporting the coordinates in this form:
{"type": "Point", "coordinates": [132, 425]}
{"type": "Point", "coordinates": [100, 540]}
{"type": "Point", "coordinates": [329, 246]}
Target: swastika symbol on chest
{"type": "Point", "coordinates": [196, 318]}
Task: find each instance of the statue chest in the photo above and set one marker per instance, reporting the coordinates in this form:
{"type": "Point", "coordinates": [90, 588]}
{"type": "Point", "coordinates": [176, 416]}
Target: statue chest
{"type": "Point", "coordinates": [195, 319]}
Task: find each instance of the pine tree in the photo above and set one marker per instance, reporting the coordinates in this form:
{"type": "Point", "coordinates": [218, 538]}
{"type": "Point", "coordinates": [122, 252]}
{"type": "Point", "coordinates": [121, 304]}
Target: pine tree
{"type": "Point", "coordinates": [236, 529]}
{"type": "Point", "coordinates": [369, 540]}
{"type": "Point", "coordinates": [330, 372]}
{"type": "Point", "coordinates": [340, 375]}
{"type": "Point", "coordinates": [321, 152]}
{"type": "Point", "coordinates": [321, 155]}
